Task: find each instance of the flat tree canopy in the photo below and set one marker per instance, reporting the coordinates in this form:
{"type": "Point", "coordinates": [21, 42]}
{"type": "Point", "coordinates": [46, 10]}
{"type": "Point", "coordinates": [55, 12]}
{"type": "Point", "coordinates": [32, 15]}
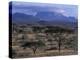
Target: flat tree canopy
{"type": "Point", "coordinates": [33, 45]}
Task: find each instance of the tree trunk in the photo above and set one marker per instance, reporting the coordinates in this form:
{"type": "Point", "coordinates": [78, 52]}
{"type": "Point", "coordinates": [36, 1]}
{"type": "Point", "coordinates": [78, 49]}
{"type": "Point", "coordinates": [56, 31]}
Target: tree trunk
{"type": "Point", "coordinates": [34, 50]}
{"type": "Point", "coordinates": [59, 46]}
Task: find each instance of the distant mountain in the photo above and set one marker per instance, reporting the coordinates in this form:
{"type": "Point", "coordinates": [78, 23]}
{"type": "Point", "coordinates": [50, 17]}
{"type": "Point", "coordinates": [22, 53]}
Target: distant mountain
{"type": "Point", "coordinates": [24, 18]}
{"type": "Point", "coordinates": [54, 16]}
{"type": "Point", "coordinates": [45, 18]}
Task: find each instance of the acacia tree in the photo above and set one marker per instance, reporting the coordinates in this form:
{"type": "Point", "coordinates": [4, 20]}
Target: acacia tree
{"type": "Point", "coordinates": [60, 39]}
{"type": "Point", "coordinates": [33, 45]}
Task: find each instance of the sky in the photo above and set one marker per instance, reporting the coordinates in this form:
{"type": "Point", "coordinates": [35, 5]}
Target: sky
{"type": "Point", "coordinates": [33, 8]}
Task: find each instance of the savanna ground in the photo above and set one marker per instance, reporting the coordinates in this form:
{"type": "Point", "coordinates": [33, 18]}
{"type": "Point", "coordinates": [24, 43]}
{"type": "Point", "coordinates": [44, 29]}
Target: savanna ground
{"type": "Point", "coordinates": [39, 41]}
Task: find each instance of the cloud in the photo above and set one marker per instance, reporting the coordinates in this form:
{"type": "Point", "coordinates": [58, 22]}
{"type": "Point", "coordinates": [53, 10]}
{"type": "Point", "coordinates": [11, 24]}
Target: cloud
{"type": "Point", "coordinates": [61, 11]}
{"type": "Point", "coordinates": [67, 10]}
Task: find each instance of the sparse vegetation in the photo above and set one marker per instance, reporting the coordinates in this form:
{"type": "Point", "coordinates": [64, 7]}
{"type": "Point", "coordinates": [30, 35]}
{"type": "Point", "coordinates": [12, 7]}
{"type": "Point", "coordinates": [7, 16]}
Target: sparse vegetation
{"type": "Point", "coordinates": [43, 41]}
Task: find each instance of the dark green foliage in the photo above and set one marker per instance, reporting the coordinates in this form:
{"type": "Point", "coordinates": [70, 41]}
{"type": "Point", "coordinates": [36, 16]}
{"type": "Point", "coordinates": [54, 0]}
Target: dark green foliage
{"type": "Point", "coordinates": [37, 29]}
{"type": "Point", "coordinates": [20, 31]}
{"type": "Point", "coordinates": [55, 29]}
